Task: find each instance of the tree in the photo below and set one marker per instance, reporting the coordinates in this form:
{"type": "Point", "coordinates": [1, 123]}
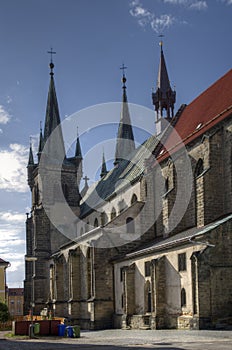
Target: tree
{"type": "Point", "coordinates": [4, 313]}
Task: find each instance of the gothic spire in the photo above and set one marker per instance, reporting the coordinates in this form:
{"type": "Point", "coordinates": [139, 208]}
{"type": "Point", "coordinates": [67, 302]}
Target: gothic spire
{"type": "Point", "coordinates": [103, 168]}
{"type": "Point", "coordinates": [78, 153]}
{"type": "Point", "coordinates": [31, 158]}
{"type": "Point", "coordinates": [52, 120]}
{"type": "Point", "coordinates": [125, 138]}
{"type": "Point", "coordinates": [164, 97]}
{"type": "Point", "coordinates": [41, 143]}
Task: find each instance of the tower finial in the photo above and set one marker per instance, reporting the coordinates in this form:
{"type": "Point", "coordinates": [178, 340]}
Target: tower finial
{"type": "Point", "coordinates": [123, 68]}
{"type": "Point", "coordinates": [51, 65]}
{"type": "Point", "coordinates": [161, 41]}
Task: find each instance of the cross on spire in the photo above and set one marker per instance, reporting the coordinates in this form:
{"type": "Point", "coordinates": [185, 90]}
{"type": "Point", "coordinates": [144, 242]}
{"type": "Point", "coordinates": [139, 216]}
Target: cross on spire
{"type": "Point", "coordinates": [86, 179]}
{"type": "Point", "coordinates": [51, 53]}
{"type": "Point", "coordinates": [123, 69]}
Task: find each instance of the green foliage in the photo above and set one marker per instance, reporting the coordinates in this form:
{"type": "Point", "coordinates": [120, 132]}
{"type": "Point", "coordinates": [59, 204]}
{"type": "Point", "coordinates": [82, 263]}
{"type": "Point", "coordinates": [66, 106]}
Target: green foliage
{"type": "Point", "coordinates": [4, 313]}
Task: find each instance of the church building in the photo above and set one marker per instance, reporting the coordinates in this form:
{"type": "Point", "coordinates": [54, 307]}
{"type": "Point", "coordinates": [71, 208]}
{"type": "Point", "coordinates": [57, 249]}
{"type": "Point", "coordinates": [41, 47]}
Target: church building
{"type": "Point", "coordinates": [151, 243]}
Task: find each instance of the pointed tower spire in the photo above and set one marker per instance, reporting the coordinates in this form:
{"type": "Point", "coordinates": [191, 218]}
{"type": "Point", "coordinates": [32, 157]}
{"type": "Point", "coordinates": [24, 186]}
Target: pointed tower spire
{"type": "Point", "coordinates": [78, 153]}
{"type": "Point", "coordinates": [30, 167]}
{"type": "Point", "coordinates": [52, 119]}
{"type": "Point", "coordinates": [41, 142]}
{"type": "Point", "coordinates": [31, 157]}
{"type": "Point", "coordinates": [125, 138]}
{"type": "Point", "coordinates": [103, 168]}
{"type": "Point", "coordinates": [164, 97]}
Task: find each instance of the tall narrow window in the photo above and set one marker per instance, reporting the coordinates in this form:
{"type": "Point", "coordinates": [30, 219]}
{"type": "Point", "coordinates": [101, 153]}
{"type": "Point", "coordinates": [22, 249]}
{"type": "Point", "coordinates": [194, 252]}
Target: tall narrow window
{"type": "Point", "coordinates": [183, 297]}
{"type": "Point", "coordinates": [199, 168]}
{"type": "Point", "coordinates": [103, 219]}
{"type": "Point", "coordinates": [182, 262]}
{"type": "Point", "coordinates": [147, 268]}
{"type": "Point", "coordinates": [130, 227]}
{"type": "Point", "coordinates": [96, 223]}
{"type": "Point", "coordinates": [113, 214]}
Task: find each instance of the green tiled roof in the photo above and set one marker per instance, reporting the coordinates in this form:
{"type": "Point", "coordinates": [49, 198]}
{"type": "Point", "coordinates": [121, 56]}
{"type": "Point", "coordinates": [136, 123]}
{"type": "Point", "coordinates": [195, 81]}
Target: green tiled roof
{"type": "Point", "coordinates": [125, 172]}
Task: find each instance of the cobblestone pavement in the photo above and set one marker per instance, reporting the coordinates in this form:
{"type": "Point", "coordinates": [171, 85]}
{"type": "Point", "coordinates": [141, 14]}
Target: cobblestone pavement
{"type": "Point", "coordinates": [131, 339]}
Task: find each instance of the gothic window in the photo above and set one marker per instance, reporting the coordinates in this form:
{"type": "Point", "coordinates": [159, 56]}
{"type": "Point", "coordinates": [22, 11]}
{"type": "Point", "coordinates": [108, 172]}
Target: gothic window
{"type": "Point", "coordinates": [199, 193]}
{"type": "Point", "coordinates": [183, 297]}
{"type": "Point", "coordinates": [134, 199]}
{"type": "Point", "coordinates": [103, 219]}
{"type": "Point", "coordinates": [147, 295]}
{"type": "Point", "coordinates": [122, 301]}
{"type": "Point", "coordinates": [130, 226]}
{"type": "Point", "coordinates": [145, 188]}
{"type": "Point", "coordinates": [166, 185]}
{"type": "Point", "coordinates": [87, 226]}
{"type": "Point", "coordinates": [182, 262]}
{"type": "Point", "coordinates": [89, 274]}
{"type": "Point", "coordinates": [147, 268]}
{"type": "Point", "coordinates": [96, 223]}
{"type": "Point", "coordinates": [199, 167]}
{"type": "Point", "coordinates": [121, 274]}
{"type": "Point", "coordinates": [113, 214]}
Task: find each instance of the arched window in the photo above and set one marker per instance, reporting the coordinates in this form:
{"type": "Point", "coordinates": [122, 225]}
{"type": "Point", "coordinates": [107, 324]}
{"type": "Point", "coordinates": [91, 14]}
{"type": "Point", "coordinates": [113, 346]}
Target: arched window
{"type": "Point", "coordinates": [96, 223]}
{"type": "Point", "coordinates": [134, 199]}
{"type": "Point", "coordinates": [130, 226]}
{"type": "Point", "coordinates": [183, 297]}
{"type": "Point", "coordinates": [103, 218]}
{"type": "Point", "coordinates": [113, 213]}
{"type": "Point", "coordinates": [87, 226]}
{"type": "Point", "coordinates": [145, 188]}
{"type": "Point", "coordinates": [147, 296]}
{"type": "Point", "coordinates": [199, 193]}
{"type": "Point", "coordinates": [81, 231]}
{"type": "Point", "coordinates": [199, 167]}
{"type": "Point", "coordinates": [166, 185]}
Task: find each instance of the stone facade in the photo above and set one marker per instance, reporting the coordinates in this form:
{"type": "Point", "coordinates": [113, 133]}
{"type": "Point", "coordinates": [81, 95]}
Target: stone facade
{"type": "Point", "coordinates": [157, 251]}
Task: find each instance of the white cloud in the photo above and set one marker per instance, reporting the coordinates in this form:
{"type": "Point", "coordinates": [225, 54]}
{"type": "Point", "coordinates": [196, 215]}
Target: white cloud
{"type": "Point", "coordinates": [199, 5]}
{"type": "Point", "coordinates": [191, 4]}
{"type": "Point", "coordinates": [12, 243]}
{"type": "Point", "coordinates": [13, 168]}
{"type": "Point", "coordinates": [4, 115]}
{"type": "Point", "coordinates": [145, 17]}
{"type": "Point", "coordinates": [162, 22]}
{"type": "Point", "coordinates": [1, 131]}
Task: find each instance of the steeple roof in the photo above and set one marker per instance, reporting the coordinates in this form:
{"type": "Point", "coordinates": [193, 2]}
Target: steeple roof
{"type": "Point", "coordinates": [163, 82]}
{"type": "Point", "coordinates": [164, 97]}
{"type": "Point", "coordinates": [78, 153]}
{"type": "Point", "coordinates": [125, 138]}
{"type": "Point", "coordinates": [31, 158]}
{"type": "Point", "coordinates": [52, 120]}
{"type": "Point", "coordinates": [41, 143]}
{"type": "Point", "coordinates": [103, 168]}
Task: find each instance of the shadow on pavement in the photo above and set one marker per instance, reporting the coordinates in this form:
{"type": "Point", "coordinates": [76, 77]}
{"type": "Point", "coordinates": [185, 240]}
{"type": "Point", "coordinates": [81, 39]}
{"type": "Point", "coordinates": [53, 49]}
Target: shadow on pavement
{"type": "Point", "coordinates": [43, 345]}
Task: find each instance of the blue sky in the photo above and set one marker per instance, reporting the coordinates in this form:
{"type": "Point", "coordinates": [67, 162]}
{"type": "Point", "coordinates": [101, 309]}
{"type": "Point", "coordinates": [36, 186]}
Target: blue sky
{"type": "Point", "coordinates": [92, 38]}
